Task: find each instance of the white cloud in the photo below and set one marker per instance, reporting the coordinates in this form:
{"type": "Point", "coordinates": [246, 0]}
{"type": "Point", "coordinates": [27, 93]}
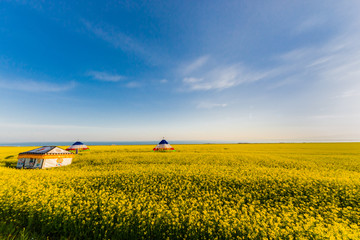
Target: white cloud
{"type": "Point", "coordinates": [163, 80]}
{"type": "Point", "coordinates": [337, 60]}
{"type": "Point", "coordinates": [333, 67]}
{"type": "Point", "coordinates": [327, 71]}
{"type": "Point", "coordinates": [320, 117]}
{"type": "Point", "coordinates": [125, 42]}
{"type": "Point", "coordinates": [348, 94]}
{"type": "Point", "coordinates": [192, 80]}
{"type": "Point", "coordinates": [133, 85]}
{"type": "Point", "coordinates": [116, 38]}
{"type": "Point", "coordinates": [206, 105]}
{"type": "Point", "coordinates": [295, 54]}
{"type": "Point", "coordinates": [30, 85]}
{"type": "Point", "coordinates": [223, 77]}
{"type": "Point", "coordinates": [195, 65]}
{"type": "Point", "coordinates": [282, 83]}
{"type": "Point", "coordinates": [309, 24]}
{"type": "Point", "coordinates": [104, 76]}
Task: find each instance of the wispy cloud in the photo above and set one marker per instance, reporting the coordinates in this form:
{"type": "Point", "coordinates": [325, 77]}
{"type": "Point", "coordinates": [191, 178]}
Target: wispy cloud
{"type": "Point", "coordinates": [105, 76]}
{"type": "Point", "coordinates": [30, 85]}
{"type": "Point", "coordinates": [335, 116]}
{"type": "Point", "coordinates": [122, 41]}
{"type": "Point", "coordinates": [192, 80]}
{"type": "Point", "coordinates": [222, 77]}
{"type": "Point", "coordinates": [133, 84]}
{"type": "Point", "coordinates": [115, 37]}
{"type": "Point", "coordinates": [194, 65]}
{"type": "Point", "coordinates": [335, 64]}
{"type": "Point", "coordinates": [207, 105]}
{"type": "Point", "coordinates": [309, 24]}
{"type": "Point", "coordinates": [348, 94]}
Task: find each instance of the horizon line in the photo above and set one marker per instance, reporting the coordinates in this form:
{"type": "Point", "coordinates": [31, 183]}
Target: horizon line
{"type": "Point", "coordinates": [175, 142]}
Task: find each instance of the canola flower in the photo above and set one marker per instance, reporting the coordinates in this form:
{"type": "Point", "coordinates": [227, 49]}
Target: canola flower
{"type": "Point", "coordinates": [233, 191]}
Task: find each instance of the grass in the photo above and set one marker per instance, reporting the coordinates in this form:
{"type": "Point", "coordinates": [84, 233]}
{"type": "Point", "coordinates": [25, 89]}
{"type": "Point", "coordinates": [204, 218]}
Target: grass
{"type": "Point", "coordinates": [225, 191]}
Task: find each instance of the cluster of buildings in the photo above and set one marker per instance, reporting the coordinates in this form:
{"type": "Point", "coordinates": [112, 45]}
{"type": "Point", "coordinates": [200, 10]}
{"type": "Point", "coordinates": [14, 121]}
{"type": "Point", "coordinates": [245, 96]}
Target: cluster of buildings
{"type": "Point", "coordinates": [53, 156]}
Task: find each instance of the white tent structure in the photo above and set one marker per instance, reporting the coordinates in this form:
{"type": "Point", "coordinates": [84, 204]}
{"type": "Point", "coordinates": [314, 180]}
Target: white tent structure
{"type": "Point", "coordinates": [163, 146]}
{"type": "Point", "coordinates": [44, 157]}
{"type": "Point", "coordinates": [78, 147]}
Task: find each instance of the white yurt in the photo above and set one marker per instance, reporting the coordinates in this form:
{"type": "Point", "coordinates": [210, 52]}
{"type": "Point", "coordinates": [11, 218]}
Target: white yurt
{"type": "Point", "coordinates": [44, 157]}
{"type": "Point", "coordinates": [163, 146]}
{"type": "Point", "coordinates": [78, 147]}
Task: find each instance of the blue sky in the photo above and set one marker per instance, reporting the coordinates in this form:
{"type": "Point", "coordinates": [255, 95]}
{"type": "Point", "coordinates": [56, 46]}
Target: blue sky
{"type": "Point", "coordinates": [187, 70]}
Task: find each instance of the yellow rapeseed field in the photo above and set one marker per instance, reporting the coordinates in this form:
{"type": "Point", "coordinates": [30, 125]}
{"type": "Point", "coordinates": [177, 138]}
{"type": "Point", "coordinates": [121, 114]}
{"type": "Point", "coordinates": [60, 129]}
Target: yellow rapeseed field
{"type": "Point", "coordinates": [230, 191]}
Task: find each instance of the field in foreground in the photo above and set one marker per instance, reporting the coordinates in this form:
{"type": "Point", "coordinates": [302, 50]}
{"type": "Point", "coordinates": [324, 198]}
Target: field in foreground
{"type": "Point", "coordinates": [244, 191]}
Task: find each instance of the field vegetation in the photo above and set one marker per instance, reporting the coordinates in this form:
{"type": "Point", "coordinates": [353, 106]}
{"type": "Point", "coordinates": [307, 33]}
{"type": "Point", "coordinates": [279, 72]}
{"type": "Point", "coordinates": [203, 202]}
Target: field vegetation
{"type": "Point", "coordinates": [232, 191]}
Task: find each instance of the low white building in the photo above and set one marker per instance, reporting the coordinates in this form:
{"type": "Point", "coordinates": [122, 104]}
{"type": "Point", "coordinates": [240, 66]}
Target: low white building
{"type": "Point", "coordinates": [44, 157]}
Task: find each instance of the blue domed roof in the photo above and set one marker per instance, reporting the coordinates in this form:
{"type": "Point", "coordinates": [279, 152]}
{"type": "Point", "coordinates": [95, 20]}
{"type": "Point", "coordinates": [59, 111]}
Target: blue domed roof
{"type": "Point", "coordinates": [163, 142]}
